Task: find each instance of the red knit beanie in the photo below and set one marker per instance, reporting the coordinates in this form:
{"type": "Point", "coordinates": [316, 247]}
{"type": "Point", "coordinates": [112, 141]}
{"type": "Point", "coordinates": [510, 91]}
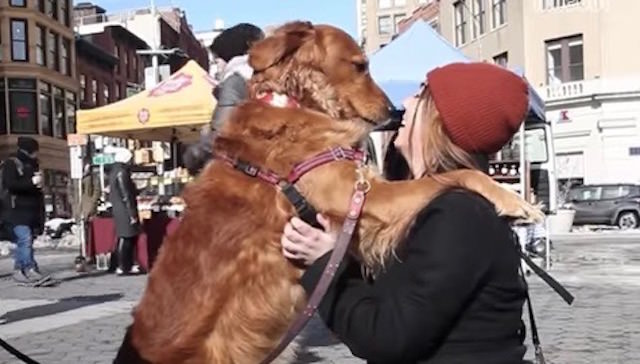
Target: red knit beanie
{"type": "Point", "coordinates": [482, 105]}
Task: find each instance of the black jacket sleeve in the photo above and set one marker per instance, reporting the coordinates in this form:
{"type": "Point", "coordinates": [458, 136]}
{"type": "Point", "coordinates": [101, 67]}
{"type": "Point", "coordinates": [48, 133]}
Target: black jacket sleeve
{"type": "Point", "coordinates": [16, 183]}
{"type": "Point", "coordinates": [127, 195]}
{"type": "Point", "coordinates": [407, 312]}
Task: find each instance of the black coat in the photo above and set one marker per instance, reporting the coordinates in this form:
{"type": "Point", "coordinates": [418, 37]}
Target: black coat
{"type": "Point", "coordinates": [25, 205]}
{"type": "Point", "coordinates": [229, 93]}
{"type": "Point", "coordinates": [454, 296]}
{"type": "Point", "coordinates": [123, 201]}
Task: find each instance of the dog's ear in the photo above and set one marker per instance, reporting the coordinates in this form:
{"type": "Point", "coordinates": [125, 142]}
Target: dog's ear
{"type": "Point", "coordinates": [284, 42]}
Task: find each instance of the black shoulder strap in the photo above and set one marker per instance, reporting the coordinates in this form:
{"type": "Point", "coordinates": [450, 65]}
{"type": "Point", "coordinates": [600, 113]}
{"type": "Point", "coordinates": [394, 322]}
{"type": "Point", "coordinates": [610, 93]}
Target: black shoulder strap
{"type": "Point", "coordinates": [548, 279]}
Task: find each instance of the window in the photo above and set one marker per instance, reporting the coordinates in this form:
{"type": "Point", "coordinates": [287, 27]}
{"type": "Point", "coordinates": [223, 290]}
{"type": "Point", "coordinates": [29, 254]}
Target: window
{"type": "Point", "coordinates": [614, 192]}
{"type": "Point", "coordinates": [125, 55]}
{"type": "Point", "coordinates": [22, 105]}
{"type": "Point", "coordinates": [460, 22]}
{"type": "Point", "coordinates": [116, 52]}
{"type": "Point", "coordinates": [585, 194]}
{"type": "Point", "coordinates": [65, 62]}
{"type": "Point", "coordinates": [94, 92]}
{"type": "Point", "coordinates": [384, 25]}
{"type": "Point", "coordinates": [18, 3]}
{"type": "Point", "coordinates": [64, 12]}
{"type": "Point", "coordinates": [116, 91]}
{"type": "Point", "coordinates": [502, 59]}
{"type": "Point", "coordinates": [106, 93]}
{"type": "Point", "coordinates": [396, 20]}
{"type": "Point", "coordinates": [41, 5]}
{"type": "Point", "coordinates": [60, 114]}
{"type": "Point", "coordinates": [400, 3]}
{"type": "Point", "coordinates": [634, 151]}
{"type": "Point", "coordinates": [550, 4]}
{"type": "Point", "coordinates": [3, 108]}
{"type": "Point", "coordinates": [41, 48]}
{"type": "Point", "coordinates": [46, 112]}
{"type": "Point", "coordinates": [19, 49]}
{"type": "Point", "coordinates": [499, 10]}
{"type": "Point", "coordinates": [71, 112]}
{"type": "Point", "coordinates": [478, 18]}
{"type": "Point", "coordinates": [54, 55]}
{"type": "Point", "coordinates": [83, 87]}
{"type": "Point", "coordinates": [384, 4]}
{"type": "Point", "coordinates": [51, 8]}
{"type": "Point", "coordinates": [565, 61]}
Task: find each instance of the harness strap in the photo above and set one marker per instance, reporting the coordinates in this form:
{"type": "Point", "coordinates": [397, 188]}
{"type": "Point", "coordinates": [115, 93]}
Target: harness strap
{"type": "Point", "coordinates": [304, 209]}
{"type": "Point", "coordinates": [337, 255]}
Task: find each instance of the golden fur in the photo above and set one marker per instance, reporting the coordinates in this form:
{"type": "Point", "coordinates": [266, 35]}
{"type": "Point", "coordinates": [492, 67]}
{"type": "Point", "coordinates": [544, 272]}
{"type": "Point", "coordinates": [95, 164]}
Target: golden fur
{"type": "Point", "coordinates": [221, 291]}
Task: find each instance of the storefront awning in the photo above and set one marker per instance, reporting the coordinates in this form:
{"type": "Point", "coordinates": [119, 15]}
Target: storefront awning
{"type": "Point", "coordinates": [175, 108]}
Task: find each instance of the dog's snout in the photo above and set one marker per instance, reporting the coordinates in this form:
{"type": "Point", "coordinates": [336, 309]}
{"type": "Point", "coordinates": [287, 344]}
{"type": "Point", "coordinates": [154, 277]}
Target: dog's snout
{"type": "Point", "coordinates": [393, 122]}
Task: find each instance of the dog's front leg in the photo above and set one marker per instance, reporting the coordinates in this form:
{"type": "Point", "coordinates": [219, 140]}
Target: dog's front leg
{"type": "Point", "coordinates": [391, 206]}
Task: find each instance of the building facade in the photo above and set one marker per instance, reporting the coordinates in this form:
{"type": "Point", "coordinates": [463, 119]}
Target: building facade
{"type": "Point", "coordinates": [38, 87]}
{"type": "Point", "coordinates": [170, 27]}
{"type": "Point", "coordinates": [206, 38]}
{"type": "Point", "coordinates": [428, 12]}
{"type": "Point", "coordinates": [580, 56]}
{"type": "Point", "coordinates": [377, 20]}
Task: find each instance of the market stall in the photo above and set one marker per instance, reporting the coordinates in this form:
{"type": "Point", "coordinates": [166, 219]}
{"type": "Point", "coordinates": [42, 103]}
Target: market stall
{"type": "Point", "coordinates": [173, 111]}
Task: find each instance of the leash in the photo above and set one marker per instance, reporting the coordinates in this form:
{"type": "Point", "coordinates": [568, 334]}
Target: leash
{"type": "Point", "coordinates": [361, 188]}
{"type": "Point", "coordinates": [17, 353]}
{"type": "Point", "coordinates": [308, 213]}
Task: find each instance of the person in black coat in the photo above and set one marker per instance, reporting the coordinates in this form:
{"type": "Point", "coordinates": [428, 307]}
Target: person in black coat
{"type": "Point", "coordinates": [453, 293]}
{"type": "Point", "coordinates": [123, 198]}
{"type": "Point", "coordinates": [23, 207]}
{"type": "Point", "coordinates": [230, 48]}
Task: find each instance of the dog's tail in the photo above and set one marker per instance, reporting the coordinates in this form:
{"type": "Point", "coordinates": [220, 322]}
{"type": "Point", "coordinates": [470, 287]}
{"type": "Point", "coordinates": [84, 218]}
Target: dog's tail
{"type": "Point", "coordinates": [128, 354]}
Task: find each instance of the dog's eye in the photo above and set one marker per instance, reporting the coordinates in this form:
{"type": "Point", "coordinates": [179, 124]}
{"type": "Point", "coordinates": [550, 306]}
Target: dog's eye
{"type": "Point", "coordinates": [361, 67]}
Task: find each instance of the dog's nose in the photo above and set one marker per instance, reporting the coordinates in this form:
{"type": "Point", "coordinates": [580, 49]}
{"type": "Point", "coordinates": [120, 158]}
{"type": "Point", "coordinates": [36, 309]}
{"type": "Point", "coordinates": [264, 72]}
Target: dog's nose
{"type": "Point", "coordinates": [393, 122]}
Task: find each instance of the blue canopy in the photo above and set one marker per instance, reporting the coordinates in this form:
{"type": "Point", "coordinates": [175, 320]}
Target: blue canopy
{"type": "Point", "coordinates": [402, 65]}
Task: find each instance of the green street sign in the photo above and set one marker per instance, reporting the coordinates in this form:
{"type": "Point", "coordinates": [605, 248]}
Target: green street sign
{"type": "Point", "coordinates": [103, 159]}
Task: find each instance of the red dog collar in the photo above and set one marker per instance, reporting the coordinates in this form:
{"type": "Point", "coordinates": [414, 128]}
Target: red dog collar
{"type": "Point", "coordinates": [277, 99]}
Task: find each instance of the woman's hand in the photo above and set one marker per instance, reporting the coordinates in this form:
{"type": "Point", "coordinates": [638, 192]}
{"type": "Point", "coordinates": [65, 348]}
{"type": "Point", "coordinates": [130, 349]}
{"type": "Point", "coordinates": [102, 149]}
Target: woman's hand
{"type": "Point", "coordinates": [304, 243]}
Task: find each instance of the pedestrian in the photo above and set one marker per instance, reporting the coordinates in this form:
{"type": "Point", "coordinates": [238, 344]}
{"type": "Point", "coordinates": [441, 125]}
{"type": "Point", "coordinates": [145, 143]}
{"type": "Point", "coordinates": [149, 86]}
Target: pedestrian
{"type": "Point", "coordinates": [230, 49]}
{"type": "Point", "coordinates": [23, 208]}
{"type": "Point", "coordinates": [123, 197]}
{"type": "Point", "coordinates": [452, 293]}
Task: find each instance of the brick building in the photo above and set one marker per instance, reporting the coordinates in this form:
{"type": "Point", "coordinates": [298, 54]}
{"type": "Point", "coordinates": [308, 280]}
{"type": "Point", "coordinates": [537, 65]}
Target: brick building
{"type": "Point", "coordinates": [426, 12]}
{"type": "Point", "coordinates": [38, 86]}
{"type": "Point", "coordinates": [109, 68]}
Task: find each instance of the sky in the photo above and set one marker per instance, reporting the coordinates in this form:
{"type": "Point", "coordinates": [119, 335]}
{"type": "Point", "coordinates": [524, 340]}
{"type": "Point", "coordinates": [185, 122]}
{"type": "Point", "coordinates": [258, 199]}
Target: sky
{"type": "Point", "coordinates": [203, 13]}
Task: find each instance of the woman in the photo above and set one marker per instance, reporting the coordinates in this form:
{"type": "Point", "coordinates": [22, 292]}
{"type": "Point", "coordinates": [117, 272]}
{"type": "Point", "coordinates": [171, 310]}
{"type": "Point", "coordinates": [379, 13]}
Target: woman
{"type": "Point", "coordinates": [123, 197]}
{"type": "Point", "coordinates": [453, 293]}
{"type": "Point", "coordinates": [230, 49]}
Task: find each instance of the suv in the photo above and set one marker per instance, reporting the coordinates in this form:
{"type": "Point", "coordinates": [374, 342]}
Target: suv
{"type": "Point", "coordinates": [610, 204]}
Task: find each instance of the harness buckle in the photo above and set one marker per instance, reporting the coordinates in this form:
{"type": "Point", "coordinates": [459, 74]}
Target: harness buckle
{"type": "Point", "coordinates": [246, 168]}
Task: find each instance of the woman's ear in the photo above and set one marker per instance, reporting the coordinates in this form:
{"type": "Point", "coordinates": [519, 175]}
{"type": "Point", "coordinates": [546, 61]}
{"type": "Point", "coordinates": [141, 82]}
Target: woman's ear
{"type": "Point", "coordinates": [282, 44]}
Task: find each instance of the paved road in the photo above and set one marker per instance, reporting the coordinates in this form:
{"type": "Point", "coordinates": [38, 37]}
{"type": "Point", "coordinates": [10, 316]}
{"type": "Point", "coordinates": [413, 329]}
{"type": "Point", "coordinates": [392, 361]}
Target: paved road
{"type": "Point", "coordinates": [83, 320]}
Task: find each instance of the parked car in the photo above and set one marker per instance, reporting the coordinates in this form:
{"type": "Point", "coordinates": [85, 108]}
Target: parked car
{"type": "Point", "coordinates": [606, 204]}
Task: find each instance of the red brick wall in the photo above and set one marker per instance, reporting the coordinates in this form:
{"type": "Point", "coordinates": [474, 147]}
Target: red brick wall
{"type": "Point", "coordinates": [425, 12]}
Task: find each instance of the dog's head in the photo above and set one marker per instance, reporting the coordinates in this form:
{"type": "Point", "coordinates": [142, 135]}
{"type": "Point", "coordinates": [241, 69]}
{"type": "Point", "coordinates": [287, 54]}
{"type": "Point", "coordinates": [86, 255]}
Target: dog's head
{"type": "Point", "coordinates": [323, 68]}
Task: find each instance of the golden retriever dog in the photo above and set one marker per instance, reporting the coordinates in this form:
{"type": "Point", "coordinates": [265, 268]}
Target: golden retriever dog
{"type": "Point", "coordinates": [221, 291]}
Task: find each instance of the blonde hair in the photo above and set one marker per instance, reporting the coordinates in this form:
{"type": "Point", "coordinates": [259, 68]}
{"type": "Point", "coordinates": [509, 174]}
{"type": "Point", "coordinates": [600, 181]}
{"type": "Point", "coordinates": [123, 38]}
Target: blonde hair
{"type": "Point", "coordinates": [440, 154]}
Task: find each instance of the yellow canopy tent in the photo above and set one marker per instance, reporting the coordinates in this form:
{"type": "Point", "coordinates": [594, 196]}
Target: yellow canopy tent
{"type": "Point", "coordinates": [174, 109]}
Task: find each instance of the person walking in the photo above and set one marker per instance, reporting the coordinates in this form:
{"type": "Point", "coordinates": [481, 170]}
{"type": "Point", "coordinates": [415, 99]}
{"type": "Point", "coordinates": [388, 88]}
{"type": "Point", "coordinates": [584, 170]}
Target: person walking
{"type": "Point", "coordinates": [23, 208]}
{"type": "Point", "coordinates": [453, 292]}
{"type": "Point", "coordinates": [123, 198]}
{"type": "Point", "coordinates": [230, 49]}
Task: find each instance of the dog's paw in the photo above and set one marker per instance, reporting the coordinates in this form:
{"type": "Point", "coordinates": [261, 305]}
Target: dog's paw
{"type": "Point", "coordinates": [514, 206]}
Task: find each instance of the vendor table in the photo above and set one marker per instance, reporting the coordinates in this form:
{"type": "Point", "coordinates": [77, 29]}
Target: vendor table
{"type": "Point", "coordinates": [102, 237]}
